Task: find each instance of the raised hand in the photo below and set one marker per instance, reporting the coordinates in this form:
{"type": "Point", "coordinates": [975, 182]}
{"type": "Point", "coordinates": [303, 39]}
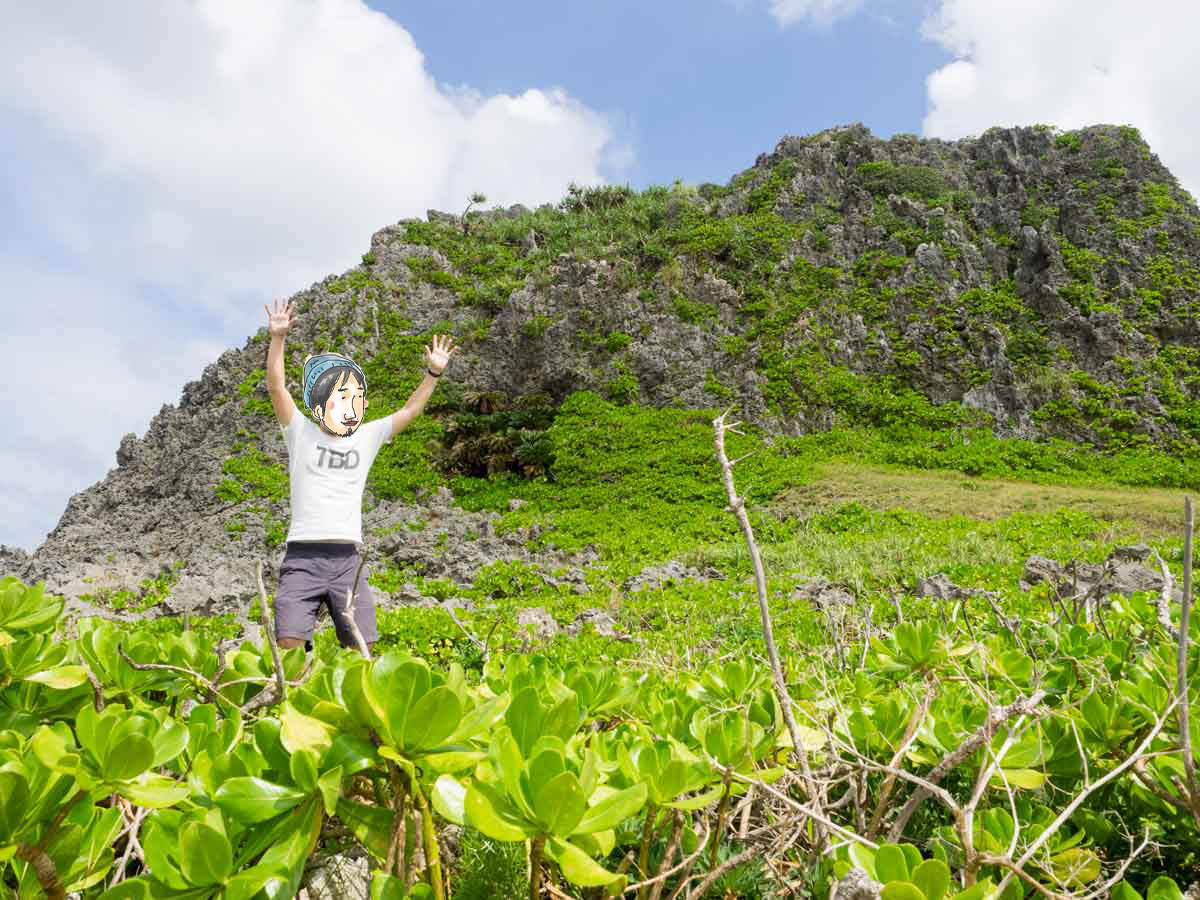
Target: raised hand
{"type": "Point", "coordinates": [279, 319]}
{"type": "Point", "coordinates": [439, 357]}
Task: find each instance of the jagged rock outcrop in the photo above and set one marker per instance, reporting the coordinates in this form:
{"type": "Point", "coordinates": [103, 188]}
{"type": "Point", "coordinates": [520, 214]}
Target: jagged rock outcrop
{"type": "Point", "coordinates": [1043, 280]}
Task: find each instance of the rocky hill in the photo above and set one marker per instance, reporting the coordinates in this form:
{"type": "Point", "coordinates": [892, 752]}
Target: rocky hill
{"type": "Point", "coordinates": [1042, 284]}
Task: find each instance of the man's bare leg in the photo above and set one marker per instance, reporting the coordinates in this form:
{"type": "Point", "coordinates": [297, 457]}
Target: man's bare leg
{"type": "Point", "coordinates": [288, 643]}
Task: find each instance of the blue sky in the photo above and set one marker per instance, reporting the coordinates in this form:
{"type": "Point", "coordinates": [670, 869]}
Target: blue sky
{"type": "Point", "coordinates": [698, 87]}
{"type": "Point", "coordinates": [161, 183]}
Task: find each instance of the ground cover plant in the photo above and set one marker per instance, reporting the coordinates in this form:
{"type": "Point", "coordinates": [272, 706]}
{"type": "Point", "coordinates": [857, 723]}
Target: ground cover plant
{"type": "Point", "coordinates": [989, 741]}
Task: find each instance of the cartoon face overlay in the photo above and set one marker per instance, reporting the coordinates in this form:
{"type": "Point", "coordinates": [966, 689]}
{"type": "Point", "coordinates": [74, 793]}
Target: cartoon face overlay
{"type": "Point", "coordinates": [343, 412]}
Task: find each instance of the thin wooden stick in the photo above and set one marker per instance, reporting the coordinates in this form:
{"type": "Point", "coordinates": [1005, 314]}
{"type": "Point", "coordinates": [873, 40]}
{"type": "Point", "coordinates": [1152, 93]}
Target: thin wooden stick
{"type": "Point", "coordinates": [997, 716]}
{"type": "Point", "coordinates": [737, 505]}
{"type": "Point", "coordinates": [1070, 808]}
{"type": "Point", "coordinates": [207, 686]}
{"type": "Point", "coordinates": [349, 612]}
{"type": "Point", "coordinates": [1189, 764]}
{"type": "Point", "coordinates": [1164, 598]}
{"type": "Point", "coordinates": [269, 622]}
{"type": "Point", "coordinates": [910, 735]}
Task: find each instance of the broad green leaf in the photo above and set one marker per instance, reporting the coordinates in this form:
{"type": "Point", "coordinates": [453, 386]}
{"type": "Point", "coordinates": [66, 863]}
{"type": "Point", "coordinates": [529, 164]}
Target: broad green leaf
{"type": "Point", "coordinates": [330, 786]}
{"type": "Point", "coordinates": [254, 800]}
{"type": "Point", "coordinates": [169, 741]}
{"type": "Point", "coordinates": [303, 767]}
{"type": "Point", "coordinates": [1030, 779]}
{"type": "Point", "coordinates": [579, 868]}
{"type": "Point", "coordinates": [290, 854]}
{"type": "Point", "coordinates": [128, 758]}
{"type": "Point", "coordinates": [449, 798]}
{"type": "Point", "coordinates": [524, 719]}
{"type": "Point", "coordinates": [54, 746]}
{"type": "Point", "coordinates": [901, 890]}
{"type": "Point", "coordinates": [863, 857]}
{"type": "Point", "coordinates": [486, 810]}
{"type": "Point", "coordinates": [453, 760]}
{"type": "Point", "coordinates": [154, 791]}
{"type": "Point", "coordinates": [387, 887]}
{"type": "Point", "coordinates": [612, 810]}
{"type": "Point", "coordinates": [560, 804]}
{"type": "Point", "coordinates": [245, 884]}
{"type": "Point", "coordinates": [480, 718]}
{"type": "Point", "coordinates": [1122, 891]}
{"type": "Point", "coordinates": [890, 863]}
{"type": "Point", "coordinates": [432, 719]}
{"type": "Point", "coordinates": [1076, 866]}
{"type": "Point", "coordinates": [300, 732]}
{"type": "Point", "coordinates": [933, 878]}
{"type": "Point", "coordinates": [205, 856]}
{"type": "Point", "coordinates": [1164, 888]}
{"type": "Point", "coordinates": [980, 890]}
{"type": "Point", "coordinates": [14, 805]}
{"type": "Point", "coordinates": [699, 801]}
{"type": "Point", "coordinates": [351, 753]}
{"type": "Point", "coordinates": [60, 678]}
{"type": "Point", "coordinates": [372, 825]}
{"type": "Point", "coordinates": [139, 888]}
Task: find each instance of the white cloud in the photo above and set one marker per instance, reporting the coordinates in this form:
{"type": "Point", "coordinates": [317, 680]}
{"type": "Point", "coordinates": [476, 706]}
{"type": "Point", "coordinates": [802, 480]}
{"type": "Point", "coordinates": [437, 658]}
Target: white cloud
{"type": "Point", "coordinates": [1070, 63]}
{"type": "Point", "coordinates": [169, 166]}
{"type": "Point", "coordinates": [821, 12]}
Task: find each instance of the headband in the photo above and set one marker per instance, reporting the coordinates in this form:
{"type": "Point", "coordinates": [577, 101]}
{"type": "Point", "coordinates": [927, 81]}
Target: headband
{"type": "Point", "coordinates": [319, 365]}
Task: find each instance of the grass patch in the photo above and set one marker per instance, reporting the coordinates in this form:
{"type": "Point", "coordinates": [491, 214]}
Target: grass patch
{"type": "Point", "coordinates": [1152, 511]}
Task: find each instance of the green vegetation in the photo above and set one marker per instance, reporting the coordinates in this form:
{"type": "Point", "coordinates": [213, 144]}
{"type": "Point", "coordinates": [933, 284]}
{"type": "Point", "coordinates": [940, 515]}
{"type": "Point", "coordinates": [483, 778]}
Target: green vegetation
{"type": "Point", "coordinates": [485, 741]}
{"type": "Point", "coordinates": [593, 760]}
{"type": "Point", "coordinates": [883, 178]}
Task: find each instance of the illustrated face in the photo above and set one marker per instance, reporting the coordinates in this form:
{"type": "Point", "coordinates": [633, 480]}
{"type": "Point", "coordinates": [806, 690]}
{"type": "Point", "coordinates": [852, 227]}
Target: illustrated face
{"type": "Point", "coordinates": [343, 411]}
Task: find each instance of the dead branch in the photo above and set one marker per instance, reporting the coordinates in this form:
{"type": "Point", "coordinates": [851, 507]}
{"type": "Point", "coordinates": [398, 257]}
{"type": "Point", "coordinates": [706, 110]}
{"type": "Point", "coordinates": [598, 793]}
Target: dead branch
{"type": "Point", "coordinates": [910, 735]}
{"type": "Point", "coordinates": [997, 716]}
{"type": "Point", "coordinates": [798, 807]}
{"type": "Point", "coordinates": [483, 647]}
{"type": "Point", "coordinates": [1164, 598]}
{"type": "Point", "coordinates": [349, 612]}
{"type": "Point", "coordinates": [1070, 808]}
{"type": "Point", "coordinates": [133, 821]}
{"type": "Point", "coordinates": [203, 683]}
{"type": "Point", "coordinates": [732, 863]}
{"type": "Point", "coordinates": [269, 623]}
{"type": "Point", "coordinates": [1181, 660]}
{"type": "Point", "coordinates": [737, 507]}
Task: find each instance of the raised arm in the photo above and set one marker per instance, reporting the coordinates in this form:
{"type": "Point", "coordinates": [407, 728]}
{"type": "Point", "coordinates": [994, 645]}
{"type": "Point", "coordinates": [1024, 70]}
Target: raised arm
{"type": "Point", "coordinates": [436, 361]}
{"type": "Point", "coordinates": [279, 322]}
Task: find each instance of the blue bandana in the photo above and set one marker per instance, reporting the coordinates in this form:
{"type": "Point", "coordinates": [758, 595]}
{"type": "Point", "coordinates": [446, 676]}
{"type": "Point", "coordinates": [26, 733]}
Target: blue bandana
{"type": "Point", "coordinates": [319, 365]}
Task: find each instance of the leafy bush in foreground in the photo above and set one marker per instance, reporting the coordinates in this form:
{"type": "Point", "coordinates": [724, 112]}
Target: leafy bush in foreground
{"type": "Point", "coordinates": [171, 767]}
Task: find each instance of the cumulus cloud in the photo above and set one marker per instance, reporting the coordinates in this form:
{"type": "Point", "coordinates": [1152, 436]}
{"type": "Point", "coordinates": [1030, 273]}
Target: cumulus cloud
{"type": "Point", "coordinates": [171, 165]}
{"type": "Point", "coordinates": [820, 12]}
{"type": "Point", "coordinates": [1070, 63]}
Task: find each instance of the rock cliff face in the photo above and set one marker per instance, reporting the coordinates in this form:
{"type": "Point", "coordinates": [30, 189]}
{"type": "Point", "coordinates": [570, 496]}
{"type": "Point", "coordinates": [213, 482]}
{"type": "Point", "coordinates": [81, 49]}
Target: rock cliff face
{"type": "Point", "coordinates": [1038, 283]}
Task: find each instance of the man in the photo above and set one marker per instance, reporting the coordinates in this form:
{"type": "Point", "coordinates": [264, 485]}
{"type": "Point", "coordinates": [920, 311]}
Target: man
{"type": "Point", "coordinates": [327, 466]}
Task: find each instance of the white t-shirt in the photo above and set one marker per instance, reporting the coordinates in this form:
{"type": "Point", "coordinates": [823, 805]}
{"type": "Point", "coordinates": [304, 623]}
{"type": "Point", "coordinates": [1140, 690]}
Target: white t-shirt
{"type": "Point", "coordinates": [327, 475]}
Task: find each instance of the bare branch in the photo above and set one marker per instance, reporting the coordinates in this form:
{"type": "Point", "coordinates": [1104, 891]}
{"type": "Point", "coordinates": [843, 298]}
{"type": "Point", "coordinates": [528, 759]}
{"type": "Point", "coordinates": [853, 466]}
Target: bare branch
{"type": "Point", "coordinates": [483, 648]}
{"type": "Point", "coordinates": [910, 735]}
{"type": "Point", "coordinates": [997, 716]}
{"type": "Point", "coordinates": [1164, 598]}
{"type": "Point", "coordinates": [203, 683]}
{"type": "Point", "coordinates": [349, 612]}
{"type": "Point", "coordinates": [269, 623]}
{"type": "Point", "coordinates": [1070, 808]}
{"type": "Point", "coordinates": [737, 505]}
{"type": "Point", "coordinates": [1181, 659]}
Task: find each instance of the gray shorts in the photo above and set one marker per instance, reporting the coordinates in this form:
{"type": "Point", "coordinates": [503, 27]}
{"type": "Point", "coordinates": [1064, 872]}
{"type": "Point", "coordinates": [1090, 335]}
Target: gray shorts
{"type": "Point", "coordinates": [312, 574]}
